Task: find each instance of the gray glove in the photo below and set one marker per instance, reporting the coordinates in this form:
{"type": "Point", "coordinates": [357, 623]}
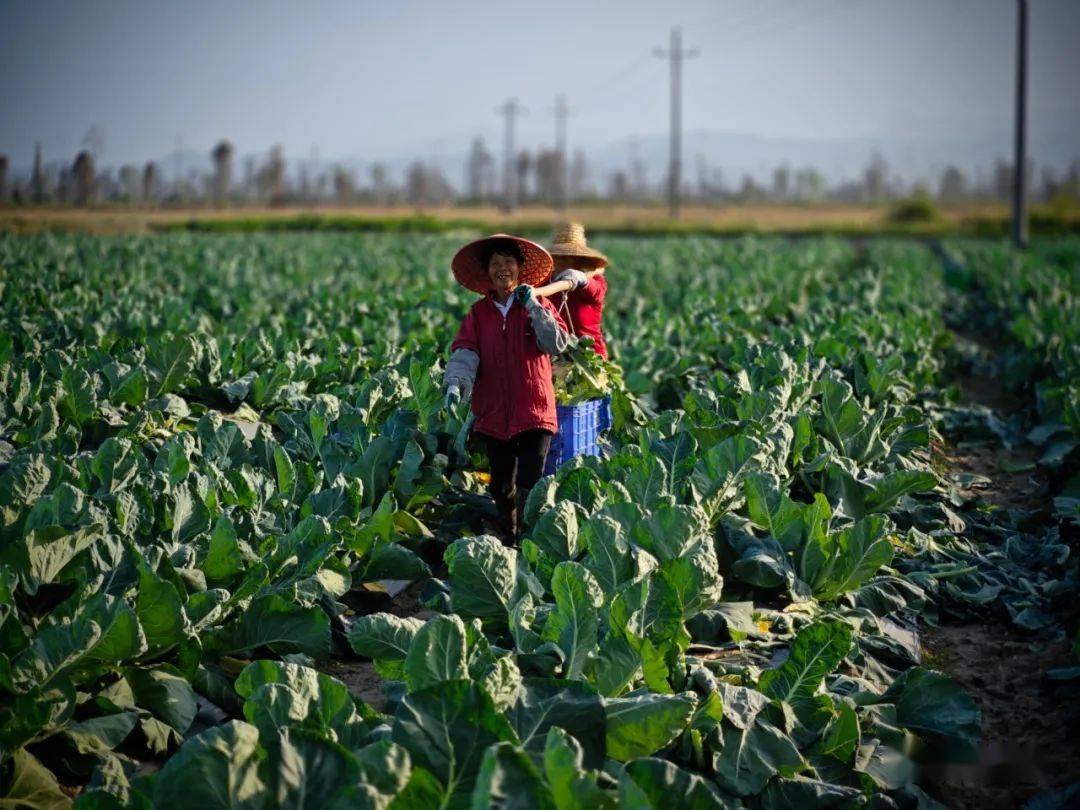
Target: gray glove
{"type": "Point", "coordinates": [461, 371]}
{"type": "Point", "coordinates": [578, 278]}
{"type": "Point", "coordinates": [452, 398]}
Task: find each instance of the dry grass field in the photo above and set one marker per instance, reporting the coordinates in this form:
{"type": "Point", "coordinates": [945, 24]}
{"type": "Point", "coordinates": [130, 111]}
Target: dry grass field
{"type": "Point", "coordinates": [734, 218]}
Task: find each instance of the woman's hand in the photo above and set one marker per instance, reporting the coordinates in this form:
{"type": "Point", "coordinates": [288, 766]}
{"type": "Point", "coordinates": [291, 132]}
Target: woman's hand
{"type": "Point", "coordinates": [575, 277]}
{"type": "Point", "coordinates": [452, 398]}
{"type": "Point", "coordinates": [524, 295]}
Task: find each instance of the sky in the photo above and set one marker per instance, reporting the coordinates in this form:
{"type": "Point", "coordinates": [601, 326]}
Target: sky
{"type": "Point", "coordinates": [373, 79]}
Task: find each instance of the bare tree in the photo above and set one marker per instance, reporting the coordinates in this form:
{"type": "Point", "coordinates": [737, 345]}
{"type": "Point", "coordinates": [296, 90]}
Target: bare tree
{"type": "Point", "coordinates": [65, 186]}
{"type": "Point", "coordinates": [129, 183]}
{"type": "Point", "coordinates": [106, 186]}
{"type": "Point", "coordinates": [426, 185]}
{"type": "Point", "coordinates": [750, 191]}
{"type": "Point", "coordinates": [304, 186]}
{"type": "Point", "coordinates": [521, 171]}
{"type": "Point", "coordinates": [3, 178]}
{"type": "Point", "coordinates": [620, 186]}
{"type": "Point", "coordinates": [94, 141]}
{"type": "Point", "coordinates": [344, 187]}
{"type": "Point", "coordinates": [37, 178]}
{"type": "Point", "coordinates": [150, 183]}
{"type": "Point", "coordinates": [781, 185]}
{"type": "Point", "coordinates": [549, 176]}
{"type": "Point", "coordinates": [416, 184]}
{"type": "Point", "coordinates": [1070, 185]}
{"type": "Point", "coordinates": [1049, 186]}
{"type": "Point", "coordinates": [223, 158]}
{"type": "Point", "coordinates": [953, 186]}
{"type": "Point", "coordinates": [380, 183]}
{"type": "Point", "coordinates": [479, 172]}
{"type": "Point", "coordinates": [639, 176]}
{"type": "Point", "coordinates": [83, 171]}
{"type": "Point", "coordinates": [809, 184]}
{"type": "Point", "coordinates": [702, 165]}
{"type": "Point", "coordinates": [249, 189]}
{"type": "Point", "coordinates": [874, 179]}
{"type": "Point", "coordinates": [716, 184]}
{"type": "Point", "coordinates": [1003, 175]}
{"type": "Point", "coordinates": [579, 176]}
{"type": "Point", "coordinates": [271, 178]}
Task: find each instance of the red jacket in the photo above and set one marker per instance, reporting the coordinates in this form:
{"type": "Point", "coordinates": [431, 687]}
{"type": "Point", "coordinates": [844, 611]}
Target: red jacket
{"type": "Point", "coordinates": [586, 309]}
{"type": "Point", "coordinates": [513, 390]}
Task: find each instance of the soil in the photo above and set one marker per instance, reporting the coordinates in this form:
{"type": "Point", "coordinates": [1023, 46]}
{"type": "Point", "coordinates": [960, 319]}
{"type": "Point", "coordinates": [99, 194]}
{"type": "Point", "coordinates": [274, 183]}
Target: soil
{"type": "Point", "coordinates": [407, 604]}
{"type": "Point", "coordinates": [1030, 743]}
{"type": "Point", "coordinates": [1011, 473]}
{"type": "Point", "coordinates": [983, 389]}
{"type": "Point", "coordinates": [360, 676]}
{"type": "Point", "coordinates": [1031, 730]}
{"type": "Point", "coordinates": [361, 679]}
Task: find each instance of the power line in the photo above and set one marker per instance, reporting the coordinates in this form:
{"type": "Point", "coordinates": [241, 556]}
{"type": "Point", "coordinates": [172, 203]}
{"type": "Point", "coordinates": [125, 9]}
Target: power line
{"type": "Point", "coordinates": [599, 107]}
{"type": "Point", "coordinates": [675, 56]}
{"type": "Point", "coordinates": [791, 24]}
{"type": "Point", "coordinates": [616, 77]}
{"type": "Point", "coordinates": [752, 16]}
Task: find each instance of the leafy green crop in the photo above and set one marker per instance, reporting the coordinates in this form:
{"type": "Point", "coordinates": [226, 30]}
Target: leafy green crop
{"type": "Point", "coordinates": [209, 445]}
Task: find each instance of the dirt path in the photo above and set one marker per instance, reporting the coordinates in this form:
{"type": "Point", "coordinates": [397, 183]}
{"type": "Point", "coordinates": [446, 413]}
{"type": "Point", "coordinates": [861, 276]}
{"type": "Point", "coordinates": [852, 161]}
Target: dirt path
{"type": "Point", "coordinates": [360, 676]}
{"type": "Point", "coordinates": [1030, 745]}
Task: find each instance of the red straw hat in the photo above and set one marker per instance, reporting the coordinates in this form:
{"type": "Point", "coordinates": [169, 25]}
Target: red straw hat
{"type": "Point", "coordinates": [471, 271]}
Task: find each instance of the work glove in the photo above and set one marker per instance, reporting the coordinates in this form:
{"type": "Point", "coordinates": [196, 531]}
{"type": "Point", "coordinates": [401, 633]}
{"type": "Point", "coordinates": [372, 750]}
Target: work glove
{"type": "Point", "coordinates": [524, 295]}
{"type": "Point", "coordinates": [452, 398]}
{"type": "Point", "coordinates": [576, 277]}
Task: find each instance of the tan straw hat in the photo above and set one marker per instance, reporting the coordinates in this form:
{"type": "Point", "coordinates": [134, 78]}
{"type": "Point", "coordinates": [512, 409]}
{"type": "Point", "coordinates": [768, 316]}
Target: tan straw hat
{"type": "Point", "coordinates": [569, 241]}
{"type": "Point", "coordinates": [470, 267]}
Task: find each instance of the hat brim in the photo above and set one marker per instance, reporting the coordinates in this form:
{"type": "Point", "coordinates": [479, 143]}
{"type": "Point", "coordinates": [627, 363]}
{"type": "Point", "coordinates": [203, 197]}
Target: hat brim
{"type": "Point", "coordinates": [470, 272]}
{"type": "Point", "coordinates": [593, 259]}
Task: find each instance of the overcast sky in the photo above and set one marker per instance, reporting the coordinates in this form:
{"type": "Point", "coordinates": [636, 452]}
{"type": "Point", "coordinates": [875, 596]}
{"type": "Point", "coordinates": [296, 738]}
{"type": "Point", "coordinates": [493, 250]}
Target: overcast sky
{"type": "Point", "coordinates": [377, 78]}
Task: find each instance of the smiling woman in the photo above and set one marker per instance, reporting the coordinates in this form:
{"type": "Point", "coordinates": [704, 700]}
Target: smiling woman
{"type": "Point", "coordinates": [502, 355]}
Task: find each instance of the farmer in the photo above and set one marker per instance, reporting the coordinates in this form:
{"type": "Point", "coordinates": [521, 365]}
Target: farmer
{"type": "Point", "coordinates": [574, 262]}
{"type": "Point", "coordinates": [502, 356]}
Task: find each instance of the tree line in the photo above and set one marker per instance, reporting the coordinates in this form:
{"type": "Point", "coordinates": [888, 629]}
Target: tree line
{"type": "Point", "coordinates": [540, 177]}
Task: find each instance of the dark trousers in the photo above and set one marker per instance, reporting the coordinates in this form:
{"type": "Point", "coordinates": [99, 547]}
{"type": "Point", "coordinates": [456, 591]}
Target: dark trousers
{"type": "Point", "coordinates": [516, 465]}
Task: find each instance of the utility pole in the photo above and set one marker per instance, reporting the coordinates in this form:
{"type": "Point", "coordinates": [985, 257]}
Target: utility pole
{"type": "Point", "coordinates": [510, 110]}
{"type": "Point", "coordinates": [562, 112]}
{"type": "Point", "coordinates": [1020, 218]}
{"type": "Point", "coordinates": [675, 56]}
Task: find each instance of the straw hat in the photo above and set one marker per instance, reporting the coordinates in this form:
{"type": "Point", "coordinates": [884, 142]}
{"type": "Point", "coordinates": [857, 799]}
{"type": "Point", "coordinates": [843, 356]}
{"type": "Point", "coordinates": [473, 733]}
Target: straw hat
{"type": "Point", "coordinates": [471, 271]}
{"type": "Point", "coordinates": [569, 240]}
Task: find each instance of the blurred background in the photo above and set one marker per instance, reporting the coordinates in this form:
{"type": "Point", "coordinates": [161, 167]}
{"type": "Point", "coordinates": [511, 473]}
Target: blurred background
{"type": "Point", "coordinates": [733, 114]}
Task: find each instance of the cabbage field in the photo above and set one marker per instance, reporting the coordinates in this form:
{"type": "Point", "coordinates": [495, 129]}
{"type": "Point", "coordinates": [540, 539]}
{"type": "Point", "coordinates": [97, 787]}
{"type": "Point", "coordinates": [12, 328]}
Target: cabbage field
{"type": "Point", "coordinates": [213, 448]}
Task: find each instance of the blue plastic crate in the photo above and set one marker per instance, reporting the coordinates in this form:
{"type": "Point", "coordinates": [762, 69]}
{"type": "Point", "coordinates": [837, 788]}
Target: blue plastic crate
{"type": "Point", "coordinates": [579, 432]}
{"type": "Point", "coordinates": [606, 418]}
